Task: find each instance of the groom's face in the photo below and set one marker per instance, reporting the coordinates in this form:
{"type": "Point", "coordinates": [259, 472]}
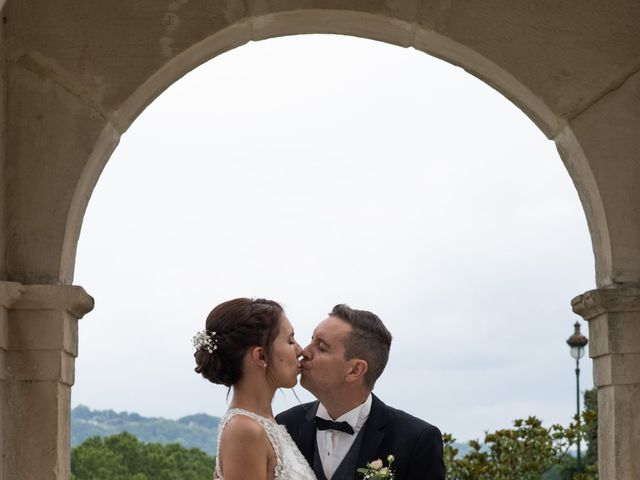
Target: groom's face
{"type": "Point", "coordinates": [324, 367]}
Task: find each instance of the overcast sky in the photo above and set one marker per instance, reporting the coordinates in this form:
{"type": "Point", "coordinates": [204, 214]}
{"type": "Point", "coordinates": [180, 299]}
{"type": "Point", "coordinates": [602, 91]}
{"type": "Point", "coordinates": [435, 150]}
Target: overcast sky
{"type": "Point", "coordinates": [317, 170]}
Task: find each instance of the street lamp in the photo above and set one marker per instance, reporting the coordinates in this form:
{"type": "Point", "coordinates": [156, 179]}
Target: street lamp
{"type": "Point", "coordinates": [577, 342]}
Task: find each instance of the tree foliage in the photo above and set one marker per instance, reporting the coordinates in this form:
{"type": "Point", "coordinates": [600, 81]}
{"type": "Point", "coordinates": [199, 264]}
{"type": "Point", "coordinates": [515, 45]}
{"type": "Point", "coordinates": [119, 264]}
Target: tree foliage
{"type": "Point", "coordinates": [528, 451]}
{"type": "Point", "coordinates": [124, 457]}
{"type": "Point", "coordinates": [591, 425]}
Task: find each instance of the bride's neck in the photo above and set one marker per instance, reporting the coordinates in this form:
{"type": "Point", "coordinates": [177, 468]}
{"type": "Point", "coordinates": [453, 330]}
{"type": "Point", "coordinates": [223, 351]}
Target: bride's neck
{"type": "Point", "coordinates": [253, 396]}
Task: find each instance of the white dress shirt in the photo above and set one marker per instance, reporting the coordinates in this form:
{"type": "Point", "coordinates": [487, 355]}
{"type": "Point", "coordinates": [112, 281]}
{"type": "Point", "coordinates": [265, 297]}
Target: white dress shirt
{"type": "Point", "coordinates": [334, 445]}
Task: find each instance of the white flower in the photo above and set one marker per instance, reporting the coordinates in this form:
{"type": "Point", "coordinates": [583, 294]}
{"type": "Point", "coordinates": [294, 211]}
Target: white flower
{"type": "Point", "coordinates": [204, 341]}
{"type": "Point", "coordinates": [377, 470]}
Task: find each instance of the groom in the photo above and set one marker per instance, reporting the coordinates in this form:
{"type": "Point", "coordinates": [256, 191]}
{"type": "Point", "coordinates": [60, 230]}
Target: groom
{"type": "Point", "coordinates": [349, 427]}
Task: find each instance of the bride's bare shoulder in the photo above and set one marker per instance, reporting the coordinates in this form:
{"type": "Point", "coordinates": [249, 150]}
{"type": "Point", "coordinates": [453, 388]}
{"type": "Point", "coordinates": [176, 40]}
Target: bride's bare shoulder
{"type": "Point", "coordinates": [243, 428]}
{"type": "Point", "coordinates": [244, 449]}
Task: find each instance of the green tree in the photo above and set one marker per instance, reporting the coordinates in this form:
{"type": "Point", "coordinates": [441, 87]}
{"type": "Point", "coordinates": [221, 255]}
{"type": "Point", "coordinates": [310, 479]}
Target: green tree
{"type": "Point", "coordinates": [529, 451]}
{"type": "Point", "coordinates": [589, 433]}
{"type": "Point", "coordinates": [525, 452]}
{"type": "Point", "coordinates": [590, 417]}
{"type": "Point", "coordinates": [124, 457]}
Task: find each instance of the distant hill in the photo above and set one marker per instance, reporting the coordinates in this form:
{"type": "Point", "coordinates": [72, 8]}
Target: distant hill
{"type": "Point", "coordinates": [199, 431]}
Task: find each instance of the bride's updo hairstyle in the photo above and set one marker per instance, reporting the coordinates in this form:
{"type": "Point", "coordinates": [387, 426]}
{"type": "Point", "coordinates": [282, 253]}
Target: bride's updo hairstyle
{"type": "Point", "coordinates": [238, 324]}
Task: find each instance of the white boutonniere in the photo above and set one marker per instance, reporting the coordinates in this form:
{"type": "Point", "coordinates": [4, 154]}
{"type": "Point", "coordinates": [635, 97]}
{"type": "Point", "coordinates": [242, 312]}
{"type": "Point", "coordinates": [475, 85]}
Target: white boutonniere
{"type": "Point", "coordinates": [377, 471]}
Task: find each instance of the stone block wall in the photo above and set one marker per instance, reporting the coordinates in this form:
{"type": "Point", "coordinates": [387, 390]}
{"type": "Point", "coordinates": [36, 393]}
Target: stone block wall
{"type": "Point", "coordinates": [38, 347]}
{"type": "Point", "coordinates": [3, 398]}
{"type": "Point", "coordinates": [9, 292]}
{"type": "Point", "coordinates": [3, 144]}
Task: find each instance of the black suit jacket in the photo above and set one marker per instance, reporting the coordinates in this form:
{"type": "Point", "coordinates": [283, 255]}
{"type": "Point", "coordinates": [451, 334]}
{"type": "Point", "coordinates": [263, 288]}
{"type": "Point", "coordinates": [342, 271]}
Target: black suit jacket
{"type": "Point", "coordinates": [415, 444]}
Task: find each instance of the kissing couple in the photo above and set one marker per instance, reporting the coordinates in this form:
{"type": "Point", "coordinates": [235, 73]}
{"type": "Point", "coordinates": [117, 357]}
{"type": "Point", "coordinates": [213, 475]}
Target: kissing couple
{"type": "Point", "coordinates": [248, 345]}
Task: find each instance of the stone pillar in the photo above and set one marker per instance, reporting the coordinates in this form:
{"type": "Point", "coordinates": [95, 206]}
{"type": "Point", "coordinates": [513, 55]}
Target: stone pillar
{"type": "Point", "coordinates": [9, 293]}
{"type": "Point", "coordinates": [614, 345]}
{"type": "Point", "coordinates": [41, 328]}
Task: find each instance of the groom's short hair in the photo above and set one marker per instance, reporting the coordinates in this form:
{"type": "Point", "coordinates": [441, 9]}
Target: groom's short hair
{"type": "Point", "coordinates": [369, 340]}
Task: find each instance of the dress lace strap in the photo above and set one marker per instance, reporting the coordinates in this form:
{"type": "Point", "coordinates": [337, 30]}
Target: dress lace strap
{"type": "Point", "coordinates": [270, 427]}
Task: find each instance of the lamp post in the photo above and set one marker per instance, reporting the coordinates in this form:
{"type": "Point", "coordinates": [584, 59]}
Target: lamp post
{"type": "Point", "coordinates": [577, 342]}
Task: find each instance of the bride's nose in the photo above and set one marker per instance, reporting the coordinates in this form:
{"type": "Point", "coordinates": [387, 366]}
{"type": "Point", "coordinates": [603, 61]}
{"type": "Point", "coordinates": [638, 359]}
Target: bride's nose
{"type": "Point", "coordinates": [306, 353]}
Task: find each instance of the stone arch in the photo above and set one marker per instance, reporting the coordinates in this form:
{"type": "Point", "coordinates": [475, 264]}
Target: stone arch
{"type": "Point", "coordinates": [77, 73]}
{"type": "Point", "coordinates": [361, 24]}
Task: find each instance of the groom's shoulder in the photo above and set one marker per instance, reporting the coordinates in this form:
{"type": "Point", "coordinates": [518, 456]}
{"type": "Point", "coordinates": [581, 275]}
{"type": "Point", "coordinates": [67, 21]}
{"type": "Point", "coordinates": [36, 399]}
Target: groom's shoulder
{"type": "Point", "coordinates": [295, 414]}
{"type": "Point", "coordinates": [409, 424]}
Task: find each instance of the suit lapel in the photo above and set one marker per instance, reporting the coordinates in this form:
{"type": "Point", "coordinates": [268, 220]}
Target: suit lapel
{"type": "Point", "coordinates": [307, 434]}
{"type": "Point", "coordinates": [373, 432]}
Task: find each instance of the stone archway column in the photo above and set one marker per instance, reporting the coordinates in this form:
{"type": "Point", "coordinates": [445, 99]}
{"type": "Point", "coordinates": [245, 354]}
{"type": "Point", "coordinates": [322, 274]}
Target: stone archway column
{"type": "Point", "coordinates": [9, 293]}
{"type": "Point", "coordinates": [614, 327]}
{"type": "Point", "coordinates": [40, 344]}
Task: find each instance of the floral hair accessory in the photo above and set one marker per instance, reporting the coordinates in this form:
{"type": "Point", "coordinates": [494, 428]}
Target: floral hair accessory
{"type": "Point", "coordinates": [377, 471]}
{"type": "Point", "coordinates": [205, 340]}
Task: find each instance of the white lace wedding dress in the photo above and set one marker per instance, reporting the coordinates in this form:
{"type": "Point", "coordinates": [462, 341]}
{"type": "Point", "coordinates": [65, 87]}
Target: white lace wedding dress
{"type": "Point", "coordinates": [290, 463]}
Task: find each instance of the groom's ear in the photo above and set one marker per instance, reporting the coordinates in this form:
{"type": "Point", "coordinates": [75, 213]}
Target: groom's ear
{"type": "Point", "coordinates": [357, 371]}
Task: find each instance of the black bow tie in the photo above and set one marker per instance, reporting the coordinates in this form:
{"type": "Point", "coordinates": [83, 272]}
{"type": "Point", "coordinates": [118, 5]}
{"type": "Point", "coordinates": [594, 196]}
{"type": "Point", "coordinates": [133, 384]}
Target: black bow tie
{"type": "Point", "coordinates": [322, 424]}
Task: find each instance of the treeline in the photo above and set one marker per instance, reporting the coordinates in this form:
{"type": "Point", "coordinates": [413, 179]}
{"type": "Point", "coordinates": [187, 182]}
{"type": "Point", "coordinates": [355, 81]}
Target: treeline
{"type": "Point", "coordinates": [528, 451]}
{"type": "Point", "coordinates": [124, 457]}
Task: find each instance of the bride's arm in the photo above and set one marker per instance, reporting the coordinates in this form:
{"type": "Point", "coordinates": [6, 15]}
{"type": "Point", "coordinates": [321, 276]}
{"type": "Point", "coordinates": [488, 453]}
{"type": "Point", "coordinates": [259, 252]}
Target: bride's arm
{"type": "Point", "coordinates": [245, 450]}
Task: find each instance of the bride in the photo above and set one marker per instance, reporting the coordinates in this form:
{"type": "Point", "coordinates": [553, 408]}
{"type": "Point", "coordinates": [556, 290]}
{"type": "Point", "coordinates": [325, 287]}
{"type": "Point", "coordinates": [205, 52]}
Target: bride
{"type": "Point", "coordinates": [249, 346]}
